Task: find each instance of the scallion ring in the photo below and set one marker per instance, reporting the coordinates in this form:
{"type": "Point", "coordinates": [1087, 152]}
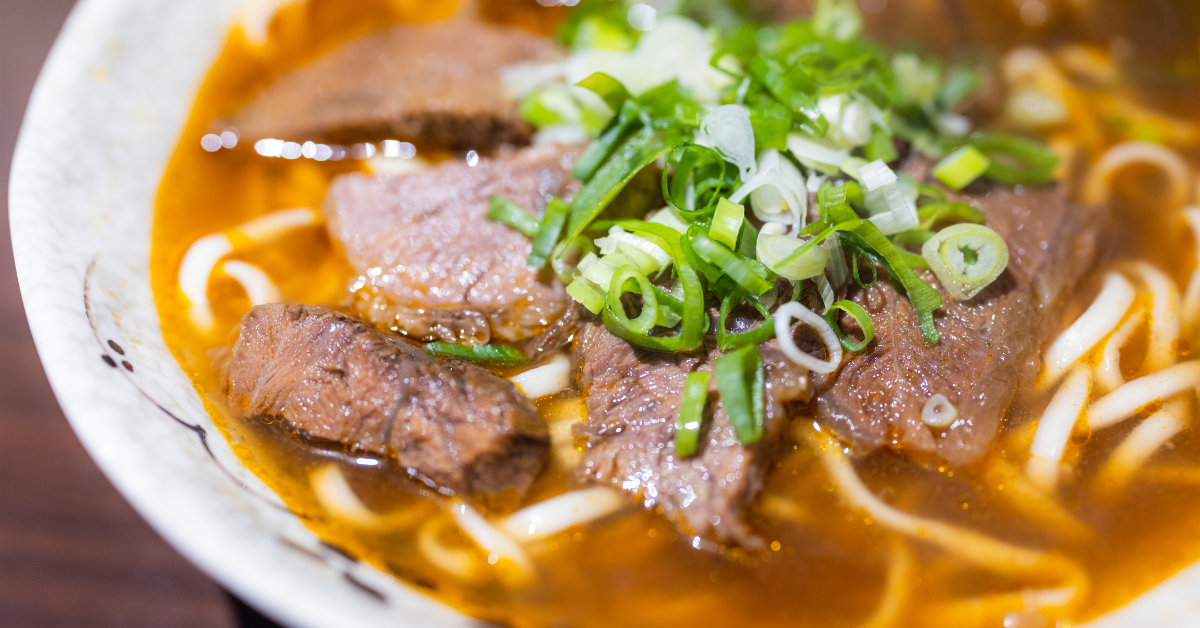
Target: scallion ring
{"type": "Point", "coordinates": [966, 258]}
{"type": "Point", "coordinates": [645, 320]}
{"type": "Point", "coordinates": [854, 272]}
{"type": "Point", "coordinates": [783, 332]}
{"type": "Point", "coordinates": [692, 327]}
{"type": "Point", "coordinates": [728, 341]}
{"type": "Point", "coordinates": [693, 181]}
{"type": "Point", "coordinates": [859, 315]}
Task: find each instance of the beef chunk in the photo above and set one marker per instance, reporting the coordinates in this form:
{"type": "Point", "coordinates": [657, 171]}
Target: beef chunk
{"type": "Point", "coordinates": [434, 267]}
{"type": "Point", "coordinates": [332, 378]}
{"type": "Point", "coordinates": [437, 83]}
{"type": "Point", "coordinates": [989, 345]}
{"type": "Point", "coordinates": [633, 400]}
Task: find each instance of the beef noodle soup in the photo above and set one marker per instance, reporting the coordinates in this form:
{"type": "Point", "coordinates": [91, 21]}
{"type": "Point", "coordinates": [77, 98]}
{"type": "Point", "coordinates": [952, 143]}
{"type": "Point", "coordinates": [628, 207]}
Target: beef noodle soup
{"type": "Point", "coordinates": [721, 315]}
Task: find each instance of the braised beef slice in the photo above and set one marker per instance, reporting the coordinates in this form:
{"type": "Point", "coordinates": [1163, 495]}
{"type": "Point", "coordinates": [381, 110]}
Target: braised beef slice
{"type": "Point", "coordinates": [434, 267]}
{"type": "Point", "coordinates": [437, 83]}
{"type": "Point", "coordinates": [633, 398]}
{"type": "Point", "coordinates": [989, 345]}
{"type": "Point", "coordinates": [332, 378]}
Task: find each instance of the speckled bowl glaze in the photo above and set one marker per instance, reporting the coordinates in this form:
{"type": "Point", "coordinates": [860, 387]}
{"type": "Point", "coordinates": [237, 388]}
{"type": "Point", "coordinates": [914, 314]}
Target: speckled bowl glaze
{"type": "Point", "coordinates": [104, 118]}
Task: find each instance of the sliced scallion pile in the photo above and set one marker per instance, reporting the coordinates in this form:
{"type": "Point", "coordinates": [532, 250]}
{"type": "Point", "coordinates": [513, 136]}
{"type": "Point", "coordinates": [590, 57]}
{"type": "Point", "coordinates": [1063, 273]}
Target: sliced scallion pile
{"type": "Point", "coordinates": [757, 119]}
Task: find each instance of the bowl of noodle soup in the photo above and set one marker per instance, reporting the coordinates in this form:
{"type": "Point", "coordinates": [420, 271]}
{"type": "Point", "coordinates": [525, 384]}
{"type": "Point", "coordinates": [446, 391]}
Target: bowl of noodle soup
{"type": "Point", "coordinates": [1097, 462]}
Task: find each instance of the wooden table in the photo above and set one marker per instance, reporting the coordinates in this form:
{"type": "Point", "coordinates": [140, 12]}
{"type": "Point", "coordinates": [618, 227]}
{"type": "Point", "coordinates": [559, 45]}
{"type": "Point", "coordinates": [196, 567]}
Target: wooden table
{"type": "Point", "coordinates": [72, 552]}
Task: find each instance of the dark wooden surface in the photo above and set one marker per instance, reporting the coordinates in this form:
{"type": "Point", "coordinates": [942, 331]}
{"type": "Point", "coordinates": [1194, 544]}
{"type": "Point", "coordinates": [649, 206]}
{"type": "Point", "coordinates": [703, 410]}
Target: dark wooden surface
{"type": "Point", "coordinates": [72, 552]}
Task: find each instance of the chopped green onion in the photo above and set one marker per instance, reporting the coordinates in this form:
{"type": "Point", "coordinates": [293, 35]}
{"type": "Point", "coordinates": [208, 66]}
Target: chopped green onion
{"type": "Point", "coordinates": [693, 326]}
{"type": "Point", "coordinates": [501, 209]}
{"type": "Point", "coordinates": [549, 106]}
{"type": "Point", "coordinates": [728, 262]}
{"type": "Point", "coordinates": [859, 315]}
{"type": "Point", "coordinates": [548, 232]}
{"type": "Point", "coordinates": [857, 278]}
{"type": "Point", "coordinates": [747, 245]}
{"type": "Point", "coordinates": [672, 111]}
{"type": "Point", "coordinates": [668, 301]}
{"type": "Point", "coordinates": [636, 153]}
{"type": "Point", "coordinates": [836, 269]}
{"type": "Point", "coordinates": [811, 88]}
{"type": "Point", "coordinates": [620, 240]}
{"type": "Point", "coordinates": [728, 130]}
{"type": "Point", "coordinates": [852, 167]}
{"type": "Point", "coordinates": [789, 86]}
{"type": "Point", "coordinates": [601, 272]}
{"type": "Point", "coordinates": [607, 88]}
{"type": "Point", "coordinates": [727, 223]}
{"type": "Point", "coordinates": [771, 122]}
{"type": "Point", "coordinates": [717, 281]}
{"type": "Point", "coordinates": [934, 213]}
{"type": "Point", "coordinates": [863, 238]}
{"type": "Point", "coordinates": [586, 294]}
{"type": "Point", "coordinates": [961, 167]}
{"type": "Point", "coordinates": [691, 413]}
{"type": "Point", "coordinates": [882, 146]}
{"type": "Point", "coordinates": [487, 355]}
{"type": "Point", "coordinates": [666, 217]}
{"type": "Point", "coordinates": [568, 254]}
{"type": "Point", "coordinates": [663, 236]}
{"type": "Point", "coordinates": [727, 341]}
{"type": "Point", "coordinates": [666, 317]}
{"type": "Point", "coordinates": [616, 289]}
{"type": "Point", "coordinates": [834, 201]}
{"type": "Point", "coordinates": [598, 151]}
{"type": "Point", "coordinates": [890, 203]}
{"type": "Point", "coordinates": [966, 258]}
{"type": "Point", "coordinates": [693, 181]}
{"type": "Point", "coordinates": [644, 262]}
{"type": "Point", "coordinates": [773, 250]}
{"type": "Point", "coordinates": [815, 153]}
{"type": "Point", "coordinates": [935, 194]}
{"type": "Point", "coordinates": [1015, 160]}
{"type": "Point", "coordinates": [740, 377]}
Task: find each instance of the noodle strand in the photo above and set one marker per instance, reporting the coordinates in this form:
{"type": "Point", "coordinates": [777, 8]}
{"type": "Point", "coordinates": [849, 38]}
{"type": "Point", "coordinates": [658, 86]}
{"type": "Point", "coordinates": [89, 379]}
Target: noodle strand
{"type": "Point", "coordinates": [1145, 439]}
{"type": "Point", "coordinates": [1098, 321]}
{"type": "Point", "coordinates": [1054, 430]}
{"type": "Point", "coordinates": [1127, 400]}
{"type": "Point", "coordinates": [1164, 316]}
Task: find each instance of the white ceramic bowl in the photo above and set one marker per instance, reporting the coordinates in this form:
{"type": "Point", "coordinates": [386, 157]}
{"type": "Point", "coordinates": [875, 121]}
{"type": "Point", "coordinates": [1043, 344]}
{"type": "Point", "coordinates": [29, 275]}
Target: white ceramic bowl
{"type": "Point", "coordinates": [104, 118]}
